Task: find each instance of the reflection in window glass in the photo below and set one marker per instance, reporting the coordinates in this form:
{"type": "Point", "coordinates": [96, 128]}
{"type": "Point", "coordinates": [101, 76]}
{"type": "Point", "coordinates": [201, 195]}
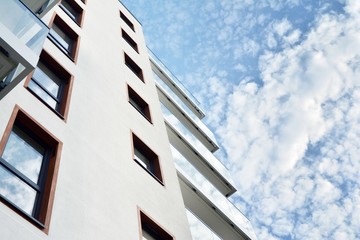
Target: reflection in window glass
{"type": "Point", "coordinates": [24, 154]}
{"type": "Point", "coordinates": [17, 191]}
{"type": "Point", "coordinates": [63, 40]}
{"type": "Point", "coordinates": [144, 161]}
{"type": "Point", "coordinates": [46, 85]}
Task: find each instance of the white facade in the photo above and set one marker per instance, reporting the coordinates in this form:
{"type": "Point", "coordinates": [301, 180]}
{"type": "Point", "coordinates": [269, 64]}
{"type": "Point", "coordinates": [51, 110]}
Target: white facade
{"type": "Point", "coordinates": [101, 191]}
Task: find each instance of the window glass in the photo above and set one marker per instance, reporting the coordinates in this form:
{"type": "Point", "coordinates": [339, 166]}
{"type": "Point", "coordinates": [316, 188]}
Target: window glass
{"type": "Point", "coordinates": [24, 154]}
{"type": "Point", "coordinates": [73, 14]}
{"type": "Point", "coordinates": [15, 190]}
{"type": "Point", "coordinates": [62, 38]}
{"type": "Point", "coordinates": [144, 161]}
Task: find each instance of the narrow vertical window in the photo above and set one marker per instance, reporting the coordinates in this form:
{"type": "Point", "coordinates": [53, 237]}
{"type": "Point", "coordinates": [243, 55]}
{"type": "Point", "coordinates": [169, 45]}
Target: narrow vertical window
{"type": "Point", "coordinates": [139, 104]}
{"type": "Point", "coordinates": [64, 37]}
{"type": "Point", "coordinates": [152, 231]}
{"type": "Point", "coordinates": [73, 10]}
{"type": "Point", "coordinates": [133, 67]}
{"type": "Point", "coordinates": [51, 84]}
{"type": "Point", "coordinates": [127, 21]}
{"type": "Point", "coordinates": [129, 40]}
{"type": "Point", "coordinates": [29, 159]}
{"type": "Point", "coordinates": [147, 159]}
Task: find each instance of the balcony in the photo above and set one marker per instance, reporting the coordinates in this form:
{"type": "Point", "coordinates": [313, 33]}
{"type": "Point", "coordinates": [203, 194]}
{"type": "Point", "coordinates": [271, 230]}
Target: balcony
{"type": "Point", "coordinates": [175, 84]}
{"type": "Point", "coordinates": [22, 35]}
{"type": "Point", "coordinates": [196, 146]}
{"type": "Point", "coordinates": [165, 90]}
{"type": "Point", "coordinates": [211, 195]}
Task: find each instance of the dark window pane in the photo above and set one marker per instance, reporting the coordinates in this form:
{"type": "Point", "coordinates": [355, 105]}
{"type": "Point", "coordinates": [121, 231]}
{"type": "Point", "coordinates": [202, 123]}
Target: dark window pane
{"type": "Point", "coordinates": [24, 154]}
{"type": "Point", "coordinates": [43, 95]}
{"type": "Point", "coordinates": [16, 191]}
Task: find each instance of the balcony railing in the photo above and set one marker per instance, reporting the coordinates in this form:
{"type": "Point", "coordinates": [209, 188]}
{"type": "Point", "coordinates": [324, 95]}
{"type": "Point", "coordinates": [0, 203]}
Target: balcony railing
{"type": "Point", "coordinates": [196, 144]}
{"type": "Point", "coordinates": [22, 35]}
{"type": "Point", "coordinates": [175, 81]}
{"type": "Point", "coordinates": [200, 230]}
{"type": "Point", "coordinates": [183, 108]}
{"type": "Point", "coordinates": [212, 194]}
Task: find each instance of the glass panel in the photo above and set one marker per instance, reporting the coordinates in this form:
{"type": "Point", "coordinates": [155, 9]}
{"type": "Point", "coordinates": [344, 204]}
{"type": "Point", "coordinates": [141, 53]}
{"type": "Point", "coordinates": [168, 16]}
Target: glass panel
{"type": "Point", "coordinates": [143, 160]}
{"type": "Point", "coordinates": [43, 95]}
{"type": "Point", "coordinates": [16, 191]}
{"type": "Point", "coordinates": [182, 106]}
{"type": "Point", "coordinates": [73, 14]}
{"type": "Point", "coordinates": [200, 230]}
{"type": "Point", "coordinates": [195, 143]}
{"type": "Point", "coordinates": [24, 154]}
{"type": "Point", "coordinates": [23, 24]}
{"type": "Point", "coordinates": [147, 236]}
{"type": "Point", "coordinates": [62, 38]}
{"type": "Point", "coordinates": [47, 79]}
{"type": "Point", "coordinates": [211, 193]}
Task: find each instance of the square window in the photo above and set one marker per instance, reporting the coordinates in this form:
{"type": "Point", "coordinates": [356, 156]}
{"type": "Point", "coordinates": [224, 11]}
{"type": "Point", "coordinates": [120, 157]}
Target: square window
{"type": "Point", "coordinates": [29, 161]}
{"type": "Point", "coordinates": [139, 104]}
{"type": "Point", "coordinates": [73, 10]}
{"type": "Point", "coordinates": [127, 21]}
{"type": "Point", "coordinates": [152, 231]}
{"type": "Point", "coordinates": [129, 40]}
{"type": "Point", "coordinates": [51, 84]}
{"type": "Point", "coordinates": [64, 37]}
{"type": "Point", "coordinates": [146, 158]}
{"type": "Point", "coordinates": [133, 67]}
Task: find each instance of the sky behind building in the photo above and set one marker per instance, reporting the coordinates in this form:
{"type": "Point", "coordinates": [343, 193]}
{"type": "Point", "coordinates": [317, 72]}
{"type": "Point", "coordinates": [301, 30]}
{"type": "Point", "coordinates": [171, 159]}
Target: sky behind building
{"type": "Point", "coordinates": [280, 83]}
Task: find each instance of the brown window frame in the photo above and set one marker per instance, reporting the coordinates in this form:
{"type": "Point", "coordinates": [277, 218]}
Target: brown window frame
{"type": "Point", "coordinates": [139, 104]}
{"type": "Point", "coordinates": [34, 129]}
{"type": "Point", "coordinates": [127, 21]}
{"type": "Point", "coordinates": [79, 18]}
{"type": "Point", "coordinates": [150, 155]}
{"type": "Point", "coordinates": [152, 227]}
{"type": "Point", "coordinates": [66, 86]}
{"type": "Point", "coordinates": [129, 40]}
{"type": "Point", "coordinates": [70, 33]}
{"type": "Point", "coordinates": [134, 67]}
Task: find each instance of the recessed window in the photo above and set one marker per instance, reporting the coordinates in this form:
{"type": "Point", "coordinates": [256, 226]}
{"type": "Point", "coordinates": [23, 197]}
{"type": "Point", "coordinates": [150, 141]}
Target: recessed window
{"type": "Point", "coordinates": [134, 67]}
{"type": "Point", "coordinates": [139, 104]}
{"type": "Point", "coordinates": [152, 231]}
{"type": "Point", "coordinates": [72, 9]}
{"type": "Point", "coordinates": [127, 21]}
{"type": "Point", "coordinates": [64, 37]}
{"type": "Point", "coordinates": [51, 84]}
{"type": "Point", "coordinates": [29, 161]}
{"type": "Point", "coordinates": [146, 158]}
{"type": "Point", "coordinates": [129, 40]}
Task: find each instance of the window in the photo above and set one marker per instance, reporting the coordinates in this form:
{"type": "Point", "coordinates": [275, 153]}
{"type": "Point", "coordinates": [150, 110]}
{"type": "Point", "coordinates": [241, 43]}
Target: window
{"type": "Point", "coordinates": [72, 9]}
{"type": "Point", "coordinates": [129, 40]}
{"type": "Point", "coordinates": [152, 231]}
{"type": "Point", "coordinates": [133, 67]}
{"type": "Point", "coordinates": [29, 161]}
{"type": "Point", "coordinates": [146, 158]}
{"type": "Point", "coordinates": [139, 104]}
{"type": "Point", "coordinates": [64, 37]}
{"type": "Point", "coordinates": [127, 21]}
{"type": "Point", "coordinates": [51, 84]}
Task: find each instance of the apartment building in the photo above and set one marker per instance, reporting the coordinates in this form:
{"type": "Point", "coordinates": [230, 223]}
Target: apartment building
{"type": "Point", "coordinates": [98, 139]}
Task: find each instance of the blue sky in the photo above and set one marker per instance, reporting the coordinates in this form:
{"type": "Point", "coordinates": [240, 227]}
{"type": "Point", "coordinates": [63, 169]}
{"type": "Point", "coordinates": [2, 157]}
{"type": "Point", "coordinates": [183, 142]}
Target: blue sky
{"type": "Point", "coordinates": [280, 82]}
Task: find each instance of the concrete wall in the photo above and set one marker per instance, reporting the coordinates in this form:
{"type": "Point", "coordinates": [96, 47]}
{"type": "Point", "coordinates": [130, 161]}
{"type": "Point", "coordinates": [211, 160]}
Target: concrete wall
{"type": "Point", "coordinates": [99, 187]}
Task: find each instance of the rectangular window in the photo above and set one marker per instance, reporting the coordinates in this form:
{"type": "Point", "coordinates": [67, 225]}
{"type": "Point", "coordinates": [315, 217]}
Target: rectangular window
{"type": "Point", "coordinates": [51, 84]}
{"type": "Point", "coordinates": [134, 67]}
{"type": "Point", "coordinates": [127, 21]}
{"type": "Point", "coordinates": [73, 10]}
{"type": "Point", "coordinates": [29, 161]}
{"type": "Point", "coordinates": [152, 231]}
{"type": "Point", "coordinates": [64, 37]}
{"type": "Point", "coordinates": [146, 158]}
{"type": "Point", "coordinates": [129, 40]}
{"type": "Point", "coordinates": [139, 104]}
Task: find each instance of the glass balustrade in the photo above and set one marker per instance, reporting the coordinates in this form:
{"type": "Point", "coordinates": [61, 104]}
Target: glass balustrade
{"type": "Point", "coordinates": [24, 24]}
{"type": "Point", "coordinates": [200, 230]}
{"type": "Point", "coordinates": [174, 79]}
{"type": "Point", "coordinates": [182, 106]}
{"type": "Point", "coordinates": [195, 143]}
{"type": "Point", "coordinates": [185, 168]}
